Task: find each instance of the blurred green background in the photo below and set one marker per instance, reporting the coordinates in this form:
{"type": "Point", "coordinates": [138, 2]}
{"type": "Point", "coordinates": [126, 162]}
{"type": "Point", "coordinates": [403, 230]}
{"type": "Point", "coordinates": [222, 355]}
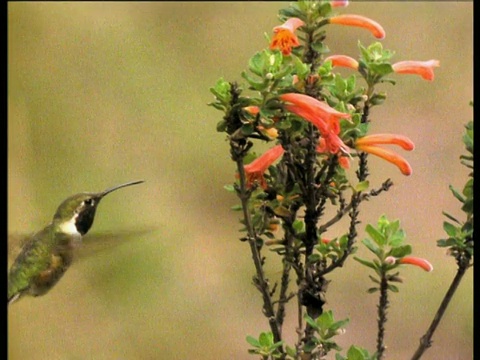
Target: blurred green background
{"type": "Point", "coordinates": [101, 93]}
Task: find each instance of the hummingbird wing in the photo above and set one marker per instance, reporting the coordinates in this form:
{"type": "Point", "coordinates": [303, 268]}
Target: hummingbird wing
{"type": "Point", "coordinates": [43, 259]}
{"type": "Point", "coordinates": [16, 242]}
{"type": "Point", "coordinates": [92, 243]}
{"type": "Point", "coordinates": [98, 242]}
{"type": "Point", "coordinates": [41, 262]}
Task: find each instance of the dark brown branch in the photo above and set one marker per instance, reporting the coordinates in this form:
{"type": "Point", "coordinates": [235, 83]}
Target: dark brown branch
{"type": "Point", "coordinates": [259, 280]}
{"type": "Point", "coordinates": [426, 340]}
{"type": "Point", "coordinates": [382, 316]}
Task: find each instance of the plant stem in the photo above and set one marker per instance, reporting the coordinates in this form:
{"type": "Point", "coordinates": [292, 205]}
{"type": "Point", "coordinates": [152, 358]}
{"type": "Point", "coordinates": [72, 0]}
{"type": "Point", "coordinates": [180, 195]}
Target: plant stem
{"type": "Point", "coordinates": [382, 316]}
{"type": "Point", "coordinates": [260, 281]}
{"type": "Point", "coordinates": [426, 340]}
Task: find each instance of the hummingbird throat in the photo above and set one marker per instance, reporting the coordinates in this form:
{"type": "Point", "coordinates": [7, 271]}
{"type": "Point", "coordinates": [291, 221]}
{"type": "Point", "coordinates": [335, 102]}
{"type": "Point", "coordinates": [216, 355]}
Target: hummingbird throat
{"type": "Point", "coordinates": [69, 227]}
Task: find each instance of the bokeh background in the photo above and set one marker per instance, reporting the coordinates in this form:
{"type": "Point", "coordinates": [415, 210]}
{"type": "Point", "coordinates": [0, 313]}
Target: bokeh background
{"type": "Point", "coordinates": [101, 93]}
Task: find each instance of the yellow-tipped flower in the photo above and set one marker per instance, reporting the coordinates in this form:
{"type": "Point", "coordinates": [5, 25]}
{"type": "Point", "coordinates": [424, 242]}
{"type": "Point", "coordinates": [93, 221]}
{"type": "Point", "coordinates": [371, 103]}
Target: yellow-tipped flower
{"type": "Point", "coordinates": [284, 37]}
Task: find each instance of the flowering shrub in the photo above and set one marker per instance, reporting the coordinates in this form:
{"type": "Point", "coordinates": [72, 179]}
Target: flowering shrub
{"type": "Point", "coordinates": [319, 124]}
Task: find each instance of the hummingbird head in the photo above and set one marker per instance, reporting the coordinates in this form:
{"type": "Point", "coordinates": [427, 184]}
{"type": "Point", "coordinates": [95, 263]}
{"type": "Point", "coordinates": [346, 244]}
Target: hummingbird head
{"type": "Point", "coordinates": [79, 209]}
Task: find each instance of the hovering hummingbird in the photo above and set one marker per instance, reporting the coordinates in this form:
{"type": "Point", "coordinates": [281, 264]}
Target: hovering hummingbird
{"type": "Point", "coordinates": [48, 254]}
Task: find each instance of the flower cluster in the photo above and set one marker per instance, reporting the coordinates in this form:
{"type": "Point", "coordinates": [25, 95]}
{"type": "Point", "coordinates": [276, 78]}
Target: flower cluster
{"type": "Point", "coordinates": [319, 123]}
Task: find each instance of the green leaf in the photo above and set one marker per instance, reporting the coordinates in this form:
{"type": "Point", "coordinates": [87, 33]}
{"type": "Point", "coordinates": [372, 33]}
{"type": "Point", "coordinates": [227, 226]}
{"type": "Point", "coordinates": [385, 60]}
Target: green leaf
{"type": "Point", "coordinates": [254, 342]}
{"type": "Point", "coordinates": [357, 353]}
{"type": "Point", "coordinates": [301, 69]}
{"type": "Point", "coordinates": [388, 80]}
{"type": "Point", "coordinates": [451, 217]}
{"type": "Point", "coordinates": [266, 339]}
{"type": "Point", "coordinates": [397, 238]}
{"type": "Point", "coordinates": [217, 106]}
{"type": "Point", "coordinates": [381, 69]}
{"type": "Point", "coordinates": [313, 258]}
{"type": "Point", "coordinates": [377, 99]}
{"type": "Point", "coordinates": [339, 324]}
{"type": "Point", "coordinates": [320, 47]}
{"type": "Point", "coordinates": [291, 351]}
{"type": "Point", "coordinates": [229, 188]}
{"type": "Point", "coordinates": [258, 85]}
{"type": "Point", "coordinates": [221, 90]}
{"type": "Point", "coordinates": [456, 194]}
{"type": "Point", "coordinates": [310, 345]}
{"type": "Point", "coordinates": [394, 226]}
{"type": "Point", "coordinates": [276, 345]}
{"type": "Point", "coordinates": [298, 226]}
{"type": "Point", "coordinates": [257, 63]}
{"type": "Point", "coordinates": [447, 242]}
{"type": "Point", "coordinates": [283, 72]}
{"type": "Point", "coordinates": [392, 288]}
{"type": "Point", "coordinates": [221, 126]}
{"type": "Point", "coordinates": [375, 235]}
{"type": "Point", "coordinates": [468, 206]}
{"type": "Point", "coordinates": [450, 229]}
{"type": "Point", "coordinates": [401, 251]}
{"type": "Point", "coordinates": [247, 129]}
{"type": "Point", "coordinates": [362, 186]}
{"type": "Point", "coordinates": [366, 263]}
{"type": "Point", "coordinates": [468, 188]}
{"type": "Point", "coordinates": [325, 320]}
{"type": "Point", "coordinates": [284, 124]}
{"type": "Point", "coordinates": [373, 247]}
{"type": "Point", "coordinates": [281, 211]}
{"type": "Point", "coordinates": [311, 322]}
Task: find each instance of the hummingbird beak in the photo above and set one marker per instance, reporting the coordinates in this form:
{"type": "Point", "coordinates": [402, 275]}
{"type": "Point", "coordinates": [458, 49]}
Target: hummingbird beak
{"type": "Point", "coordinates": [109, 190]}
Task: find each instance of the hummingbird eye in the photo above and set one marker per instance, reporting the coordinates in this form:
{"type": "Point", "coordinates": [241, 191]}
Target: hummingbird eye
{"type": "Point", "coordinates": [89, 202]}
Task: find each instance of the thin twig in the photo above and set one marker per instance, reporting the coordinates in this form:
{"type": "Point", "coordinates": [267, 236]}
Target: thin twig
{"type": "Point", "coordinates": [261, 282]}
{"type": "Point", "coordinates": [426, 340]}
{"type": "Point", "coordinates": [364, 196]}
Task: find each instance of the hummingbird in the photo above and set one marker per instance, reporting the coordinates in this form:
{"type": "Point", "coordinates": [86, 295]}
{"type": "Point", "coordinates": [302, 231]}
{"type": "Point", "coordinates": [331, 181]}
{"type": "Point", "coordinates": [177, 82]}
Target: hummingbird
{"type": "Point", "coordinates": [49, 253]}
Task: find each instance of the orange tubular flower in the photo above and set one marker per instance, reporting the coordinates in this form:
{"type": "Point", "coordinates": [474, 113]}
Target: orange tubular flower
{"type": "Point", "coordinates": [284, 37]}
{"type": "Point", "coordinates": [272, 133]}
{"type": "Point", "coordinates": [320, 114]}
{"type": "Point", "coordinates": [420, 262]}
{"type": "Point", "coordinates": [369, 144]}
{"type": "Point", "coordinates": [361, 21]}
{"type": "Point", "coordinates": [343, 160]}
{"type": "Point", "coordinates": [252, 109]}
{"type": "Point", "coordinates": [422, 68]}
{"type": "Point", "coordinates": [255, 170]}
{"type": "Point", "coordinates": [344, 61]}
{"type": "Point", "coordinates": [375, 139]}
{"type": "Point", "coordinates": [339, 3]}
